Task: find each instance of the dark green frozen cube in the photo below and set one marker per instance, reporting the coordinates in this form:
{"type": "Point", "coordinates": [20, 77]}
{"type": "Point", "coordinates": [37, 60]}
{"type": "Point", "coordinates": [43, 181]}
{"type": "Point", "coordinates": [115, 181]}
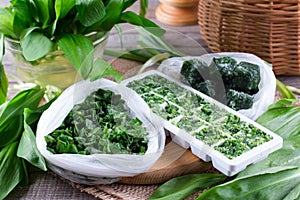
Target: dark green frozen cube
{"type": "Point", "coordinates": [246, 77]}
{"type": "Point", "coordinates": [225, 66]}
{"type": "Point", "coordinates": [239, 100]}
{"type": "Point", "coordinates": [194, 72]}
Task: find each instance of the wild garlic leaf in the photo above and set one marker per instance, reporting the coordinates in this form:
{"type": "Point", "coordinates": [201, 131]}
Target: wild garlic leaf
{"type": "Point", "coordinates": [128, 3]}
{"type": "Point", "coordinates": [143, 8]}
{"type": "Point", "coordinates": [3, 78]}
{"type": "Point", "coordinates": [22, 17]}
{"type": "Point", "coordinates": [294, 193]}
{"type": "Point", "coordinates": [284, 90]}
{"type": "Point", "coordinates": [36, 45]}
{"type": "Point", "coordinates": [183, 186]}
{"type": "Point", "coordinates": [27, 148]}
{"type": "Point", "coordinates": [80, 52]}
{"type": "Point", "coordinates": [25, 180]}
{"type": "Point", "coordinates": [102, 69]}
{"type": "Point", "coordinates": [11, 172]}
{"type": "Point", "coordinates": [113, 11]}
{"type": "Point", "coordinates": [44, 11]}
{"type": "Point", "coordinates": [90, 11]}
{"type": "Point", "coordinates": [11, 119]}
{"type": "Point", "coordinates": [275, 185]}
{"type": "Point", "coordinates": [6, 22]}
{"type": "Point", "coordinates": [288, 155]}
{"type": "Point", "coordinates": [283, 118]}
{"type": "Point", "coordinates": [62, 7]}
{"type": "Point", "coordinates": [132, 18]}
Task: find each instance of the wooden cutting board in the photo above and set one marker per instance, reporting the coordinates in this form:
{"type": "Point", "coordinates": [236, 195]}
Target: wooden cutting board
{"type": "Point", "coordinates": [175, 161]}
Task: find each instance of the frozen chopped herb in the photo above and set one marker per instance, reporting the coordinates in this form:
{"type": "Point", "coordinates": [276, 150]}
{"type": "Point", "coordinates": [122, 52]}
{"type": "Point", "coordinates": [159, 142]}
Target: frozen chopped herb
{"type": "Point", "coordinates": [232, 148]}
{"type": "Point", "coordinates": [240, 80]}
{"type": "Point", "coordinates": [206, 87]}
{"type": "Point", "coordinates": [210, 135]}
{"type": "Point", "coordinates": [100, 124]}
{"type": "Point", "coordinates": [209, 123]}
{"type": "Point", "coordinates": [239, 100]}
{"type": "Point", "coordinates": [246, 77]}
{"type": "Point", "coordinates": [188, 123]}
{"type": "Point", "coordinates": [194, 71]}
{"type": "Point", "coordinates": [225, 65]}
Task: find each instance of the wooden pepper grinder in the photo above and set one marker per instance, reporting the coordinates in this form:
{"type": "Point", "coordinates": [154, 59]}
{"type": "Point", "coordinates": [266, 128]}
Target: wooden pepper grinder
{"type": "Point", "coordinates": [177, 12]}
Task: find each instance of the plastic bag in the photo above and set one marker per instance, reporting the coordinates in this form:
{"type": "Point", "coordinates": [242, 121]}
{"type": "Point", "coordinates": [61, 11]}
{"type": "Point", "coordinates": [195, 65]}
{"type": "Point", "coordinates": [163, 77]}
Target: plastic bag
{"type": "Point", "coordinates": [267, 86]}
{"type": "Point", "coordinates": [99, 168]}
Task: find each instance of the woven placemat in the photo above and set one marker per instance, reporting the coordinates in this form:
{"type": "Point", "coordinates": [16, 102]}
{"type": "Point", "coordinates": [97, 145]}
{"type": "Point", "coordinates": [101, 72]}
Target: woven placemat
{"type": "Point", "coordinates": [118, 191]}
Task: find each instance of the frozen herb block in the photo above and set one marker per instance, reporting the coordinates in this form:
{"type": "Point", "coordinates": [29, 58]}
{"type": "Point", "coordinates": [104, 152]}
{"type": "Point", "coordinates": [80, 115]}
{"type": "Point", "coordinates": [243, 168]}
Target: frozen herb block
{"type": "Point", "coordinates": [240, 80]}
{"type": "Point", "coordinates": [246, 77]}
{"type": "Point", "coordinates": [210, 135]}
{"type": "Point", "coordinates": [239, 100]}
{"type": "Point", "coordinates": [225, 65]}
{"type": "Point", "coordinates": [194, 71]}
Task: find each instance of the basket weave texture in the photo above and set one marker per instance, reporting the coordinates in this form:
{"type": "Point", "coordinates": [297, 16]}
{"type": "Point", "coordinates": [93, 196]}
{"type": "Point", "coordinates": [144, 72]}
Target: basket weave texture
{"type": "Point", "coordinates": [269, 29]}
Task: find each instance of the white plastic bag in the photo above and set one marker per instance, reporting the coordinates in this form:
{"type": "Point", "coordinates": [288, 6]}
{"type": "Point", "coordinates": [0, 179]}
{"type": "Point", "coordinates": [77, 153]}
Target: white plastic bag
{"type": "Point", "coordinates": [99, 168]}
{"type": "Point", "coordinates": [267, 86]}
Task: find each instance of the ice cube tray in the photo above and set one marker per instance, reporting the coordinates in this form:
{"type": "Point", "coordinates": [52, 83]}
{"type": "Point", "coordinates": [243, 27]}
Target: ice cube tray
{"type": "Point", "coordinates": [213, 131]}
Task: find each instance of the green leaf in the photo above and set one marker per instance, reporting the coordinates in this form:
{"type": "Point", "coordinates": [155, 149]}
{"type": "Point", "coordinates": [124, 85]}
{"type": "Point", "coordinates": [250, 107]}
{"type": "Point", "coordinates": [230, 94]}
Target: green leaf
{"type": "Point", "coordinates": [35, 45]}
{"type": "Point", "coordinates": [62, 7]}
{"type": "Point", "coordinates": [125, 55]}
{"type": "Point", "coordinates": [11, 119]}
{"type": "Point", "coordinates": [3, 78]}
{"type": "Point", "coordinates": [113, 11]}
{"type": "Point", "coordinates": [183, 186]}
{"type": "Point", "coordinates": [285, 91]}
{"type": "Point", "coordinates": [11, 172]}
{"type": "Point", "coordinates": [102, 69]}
{"type": "Point", "coordinates": [25, 180]}
{"type": "Point", "coordinates": [271, 184]}
{"type": "Point", "coordinates": [282, 118]}
{"type": "Point", "coordinates": [294, 194]}
{"type": "Point", "coordinates": [80, 52]}
{"type": "Point", "coordinates": [35, 114]}
{"type": "Point", "coordinates": [22, 17]}
{"type": "Point", "coordinates": [128, 3]}
{"type": "Point", "coordinates": [286, 156]}
{"type": "Point", "coordinates": [132, 18]}
{"type": "Point", "coordinates": [143, 8]}
{"type": "Point", "coordinates": [90, 11]}
{"type": "Point", "coordinates": [44, 11]}
{"type": "Point", "coordinates": [152, 39]}
{"type": "Point", "coordinates": [28, 31]}
{"type": "Point", "coordinates": [27, 147]}
{"type": "Point", "coordinates": [6, 22]}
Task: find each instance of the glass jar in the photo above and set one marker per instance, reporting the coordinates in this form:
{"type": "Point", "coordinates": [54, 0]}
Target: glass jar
{"type": "Point", "coordinates": [54, 68]}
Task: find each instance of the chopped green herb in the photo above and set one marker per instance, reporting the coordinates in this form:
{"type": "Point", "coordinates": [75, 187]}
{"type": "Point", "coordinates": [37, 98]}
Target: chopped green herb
{"type": "Point", "coordinates": [212, 125]}
{"type": "Point", "coordinates": [100, 124]}
{"type": "Point", "coordinates": [240, 79]}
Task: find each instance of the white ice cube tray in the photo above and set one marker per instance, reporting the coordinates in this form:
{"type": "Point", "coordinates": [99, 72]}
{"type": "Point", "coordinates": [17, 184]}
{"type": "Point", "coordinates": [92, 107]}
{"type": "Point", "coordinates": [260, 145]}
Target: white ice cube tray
{"type": "Point", "coordinates": [186, 139]}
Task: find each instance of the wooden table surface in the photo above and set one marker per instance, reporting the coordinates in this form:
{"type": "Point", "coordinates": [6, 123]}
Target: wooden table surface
{"type": "Point", "coordinates": [45, 186]}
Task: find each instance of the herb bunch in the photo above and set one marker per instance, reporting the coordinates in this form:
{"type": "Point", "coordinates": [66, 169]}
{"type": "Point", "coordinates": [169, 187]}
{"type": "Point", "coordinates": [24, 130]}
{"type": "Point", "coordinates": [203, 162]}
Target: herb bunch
{"type": "Point", "coordinates": [48, 25]}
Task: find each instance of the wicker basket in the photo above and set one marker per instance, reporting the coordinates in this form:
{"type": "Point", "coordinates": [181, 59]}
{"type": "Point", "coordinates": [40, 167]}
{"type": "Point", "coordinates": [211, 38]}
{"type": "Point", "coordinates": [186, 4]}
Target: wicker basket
{"type": "Point", "coordinates": [269, 29]}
